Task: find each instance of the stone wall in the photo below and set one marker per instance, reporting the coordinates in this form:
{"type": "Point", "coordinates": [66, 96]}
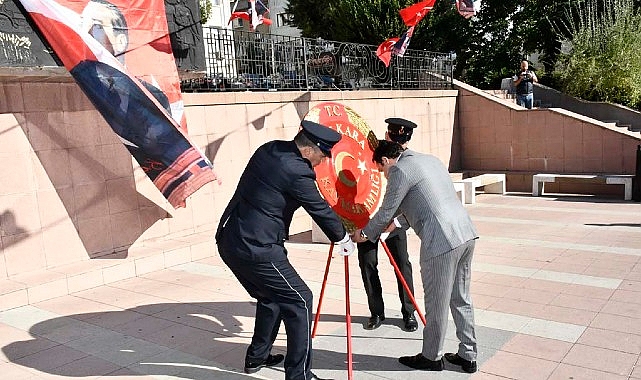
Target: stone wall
{"type": "Point", "coordinates": [71, 192]}
{"type": "Point", "coordinates": [499, 136]}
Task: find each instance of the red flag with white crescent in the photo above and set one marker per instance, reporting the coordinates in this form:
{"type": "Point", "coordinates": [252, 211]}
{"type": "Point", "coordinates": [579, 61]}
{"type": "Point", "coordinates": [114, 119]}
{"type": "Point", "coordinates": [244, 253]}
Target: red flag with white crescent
{"type": "Point", "coordinates": [413, 14]}
{"type": "Point", "coordinates": [107, 47]}
{"type": "Point", "coordinates": [384, 50]}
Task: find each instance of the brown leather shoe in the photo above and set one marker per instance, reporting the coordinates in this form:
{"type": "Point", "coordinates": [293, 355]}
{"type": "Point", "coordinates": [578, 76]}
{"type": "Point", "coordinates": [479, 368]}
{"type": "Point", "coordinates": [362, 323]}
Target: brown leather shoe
{"type": "Point", "coordinates": [419, 361]}
{"type": "Point", "coordinates": [467, 365]}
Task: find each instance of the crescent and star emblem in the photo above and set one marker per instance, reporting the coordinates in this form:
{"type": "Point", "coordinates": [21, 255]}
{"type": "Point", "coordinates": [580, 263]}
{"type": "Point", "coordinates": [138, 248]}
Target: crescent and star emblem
{"type": "Point", "coordinates": [340, 171]}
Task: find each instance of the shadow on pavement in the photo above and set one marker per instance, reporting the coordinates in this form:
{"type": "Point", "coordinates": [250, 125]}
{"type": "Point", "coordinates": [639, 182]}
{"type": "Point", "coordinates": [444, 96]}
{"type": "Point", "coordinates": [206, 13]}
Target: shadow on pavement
{"type": "Point", "coordinates": [170, 339]}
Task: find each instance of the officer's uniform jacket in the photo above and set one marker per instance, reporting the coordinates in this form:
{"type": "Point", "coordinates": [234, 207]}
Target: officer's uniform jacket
{"type": "Point", "coordinates": [276, 182]}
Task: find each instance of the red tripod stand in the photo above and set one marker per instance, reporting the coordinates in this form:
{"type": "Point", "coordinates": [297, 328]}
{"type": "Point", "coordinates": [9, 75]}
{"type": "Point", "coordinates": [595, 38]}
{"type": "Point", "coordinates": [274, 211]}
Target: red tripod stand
{"type": "Point", "coordinates": [348, 317]}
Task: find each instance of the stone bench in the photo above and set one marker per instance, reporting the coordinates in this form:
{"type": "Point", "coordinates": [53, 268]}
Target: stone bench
{"type": "Point", "coordinates": [492, 184]}
{"type": "Point", "coordinates": [539, 180]}
{"type": "Point", "coordinates": [459, 187]}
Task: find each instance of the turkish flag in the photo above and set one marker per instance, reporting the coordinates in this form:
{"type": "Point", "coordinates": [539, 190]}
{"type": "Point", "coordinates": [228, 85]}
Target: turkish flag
{"type": "Point", "coordinates": [413, 14]}
{"type": "Point", "coordinates": [234, 15]}
{"type": "Point", "coordinates": [384, 50]}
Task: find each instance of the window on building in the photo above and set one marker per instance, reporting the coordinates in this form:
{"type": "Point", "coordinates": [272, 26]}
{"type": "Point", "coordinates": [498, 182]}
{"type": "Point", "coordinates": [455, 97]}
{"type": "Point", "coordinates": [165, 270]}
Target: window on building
{"type": "Point", "coordinates": [283, 19]}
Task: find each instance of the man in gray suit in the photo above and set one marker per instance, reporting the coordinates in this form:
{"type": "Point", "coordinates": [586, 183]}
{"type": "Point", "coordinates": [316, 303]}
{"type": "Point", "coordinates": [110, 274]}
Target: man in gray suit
{"type": "Point", "coordinates": [419, 187]}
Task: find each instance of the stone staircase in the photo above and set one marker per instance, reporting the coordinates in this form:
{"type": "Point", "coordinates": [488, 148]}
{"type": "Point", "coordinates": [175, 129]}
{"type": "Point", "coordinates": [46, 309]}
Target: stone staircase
{"type": "Point", "coordinates": [629, 127]}
{"type": "Point", "coordinates": [502, 94]}
{"type": "Point", "coordinates": [507, 92]}
{"type": "Point", "coordinates": [609, 113]}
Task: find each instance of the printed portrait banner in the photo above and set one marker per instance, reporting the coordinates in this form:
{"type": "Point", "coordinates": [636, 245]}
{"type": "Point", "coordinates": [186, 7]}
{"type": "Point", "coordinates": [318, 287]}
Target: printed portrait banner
{"type": "Point", "coordinates": [349, 181]}
{"type": "Point", "coordinates": [465, 8]}
{"type": "Point", "coordinates": [119, 53]}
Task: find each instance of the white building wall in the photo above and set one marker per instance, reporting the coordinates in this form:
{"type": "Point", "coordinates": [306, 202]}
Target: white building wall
{"type": "Point", "coordinates": [278, 16]}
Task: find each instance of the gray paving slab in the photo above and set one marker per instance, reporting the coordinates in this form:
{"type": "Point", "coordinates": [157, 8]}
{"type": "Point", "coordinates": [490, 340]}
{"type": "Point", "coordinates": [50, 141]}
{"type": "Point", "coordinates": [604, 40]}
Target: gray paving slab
{"type": "Point", "coordinates": [555, 281]}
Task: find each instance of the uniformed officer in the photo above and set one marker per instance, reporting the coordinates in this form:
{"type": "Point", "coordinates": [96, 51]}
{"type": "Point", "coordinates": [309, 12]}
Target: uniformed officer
{"type": "Point", "coordinates": [400, 131]}
{"type": "Point", "coordinates": [279, 179]}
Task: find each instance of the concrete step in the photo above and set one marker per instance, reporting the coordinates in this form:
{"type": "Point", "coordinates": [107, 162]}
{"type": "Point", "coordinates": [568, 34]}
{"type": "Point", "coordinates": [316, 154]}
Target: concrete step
{"type": "Point", "coordinates": [153, 255]}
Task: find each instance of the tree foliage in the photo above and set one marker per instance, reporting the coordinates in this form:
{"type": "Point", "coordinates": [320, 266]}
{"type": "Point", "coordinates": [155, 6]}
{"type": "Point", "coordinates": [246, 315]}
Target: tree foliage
{"type": "Point", "coordinates": [348, 20]}
{"type": "Point", "coordinates": [603, 63]}
{"type": "Point", "coordinates": [488, 46]}
{"type": "Point", "coordinates": [205, 10]}
{"type": "Point", "coordinates": [604, 34]}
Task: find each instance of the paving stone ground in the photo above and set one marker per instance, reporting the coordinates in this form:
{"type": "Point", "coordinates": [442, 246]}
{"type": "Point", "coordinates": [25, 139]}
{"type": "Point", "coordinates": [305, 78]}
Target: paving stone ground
{"type": "Point", "coordinates": [556, 287]}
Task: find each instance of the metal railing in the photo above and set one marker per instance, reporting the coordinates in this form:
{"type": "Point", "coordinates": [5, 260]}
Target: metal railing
{"type": "Point", "coordinates": [242, 61]}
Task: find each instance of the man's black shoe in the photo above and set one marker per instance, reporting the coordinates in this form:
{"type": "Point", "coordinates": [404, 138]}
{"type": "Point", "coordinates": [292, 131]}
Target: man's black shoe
{"type": "Point", "coordinates": [374, 322]}
{"type": "Point", "coordinates": [419, 361]}
{"type": "Point", "coordinates": [252, 367]}
{"type": "Point", "coordinates": [314, 377]}
{"type": "Point", "coordinates": [466, 365]}
{"type": "Point", "coordinates": [410, 323]}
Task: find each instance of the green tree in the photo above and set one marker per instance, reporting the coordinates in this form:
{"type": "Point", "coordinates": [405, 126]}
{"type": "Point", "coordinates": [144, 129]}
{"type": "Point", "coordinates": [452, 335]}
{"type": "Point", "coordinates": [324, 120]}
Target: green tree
{"type": "Point", "coordinates": [368, 22]}
{"type": "Point", "coordinates": [205, 10]}
{"type": "Point", "coordinates": [488, 47]}
{"type": "Point", "coordinates": [491, 45]}
{"type": "Point", "coordinates": [603, 63]}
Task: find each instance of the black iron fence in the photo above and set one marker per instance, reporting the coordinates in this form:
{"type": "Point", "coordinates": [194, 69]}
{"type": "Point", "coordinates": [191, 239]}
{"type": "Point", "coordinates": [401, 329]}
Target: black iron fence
{"type": "Point", "coordinates": [241, 60]}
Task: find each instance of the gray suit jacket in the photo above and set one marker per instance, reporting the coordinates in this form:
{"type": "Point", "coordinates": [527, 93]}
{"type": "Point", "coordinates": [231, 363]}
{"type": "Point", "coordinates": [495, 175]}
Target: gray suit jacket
{"type": "Point", "coordinates": [419, 187]}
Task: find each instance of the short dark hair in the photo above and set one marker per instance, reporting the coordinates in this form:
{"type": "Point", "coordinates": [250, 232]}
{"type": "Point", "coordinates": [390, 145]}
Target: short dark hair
{"type": "Point", "coordinates": [302, 140]}
{"type": "Point", "coordinates": [389, 149]}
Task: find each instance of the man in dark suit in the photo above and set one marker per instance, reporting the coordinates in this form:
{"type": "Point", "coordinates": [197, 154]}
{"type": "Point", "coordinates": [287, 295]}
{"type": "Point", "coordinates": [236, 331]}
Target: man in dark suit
{"type": "Point", "coordinates": [420, 189]}
{"type": "Point", "coordinates": [400, 131]}
{"type": "Point", "coordinates": [279, 179]}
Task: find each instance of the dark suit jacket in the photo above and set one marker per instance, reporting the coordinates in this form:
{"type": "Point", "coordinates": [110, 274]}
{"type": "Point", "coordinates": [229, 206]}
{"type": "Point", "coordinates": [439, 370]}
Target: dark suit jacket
{"type": "Point", "coordinates": [276, 182]}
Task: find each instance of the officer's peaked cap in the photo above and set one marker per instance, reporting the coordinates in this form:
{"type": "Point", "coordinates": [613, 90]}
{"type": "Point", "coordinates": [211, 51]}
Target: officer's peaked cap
{"type": "Point", "coordinates": [324, 137]}
{"type": "Point", "coordinates": [399, 129]}
{"type": "Point", "coordinates": [400, 122]}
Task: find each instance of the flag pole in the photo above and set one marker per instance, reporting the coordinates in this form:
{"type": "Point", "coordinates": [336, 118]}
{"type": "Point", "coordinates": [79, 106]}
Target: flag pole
{"type": "Point", "coordinates": [235, 5]}
{"type": "Point", "coordinates": [400, 277]}
{"type": "Point", "coordinates": [391, 72]}
{"type": "Point", "coordinates": [320, 298]}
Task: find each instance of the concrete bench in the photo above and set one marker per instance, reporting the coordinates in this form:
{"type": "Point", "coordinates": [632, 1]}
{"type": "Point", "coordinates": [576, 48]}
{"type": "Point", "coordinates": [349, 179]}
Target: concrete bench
{"type": "Point", "coordinates": [539, 180]}
{"type": "Point", "coordinates": [459, 187]}
{"type": "Point", "coordinates": [492, 184]}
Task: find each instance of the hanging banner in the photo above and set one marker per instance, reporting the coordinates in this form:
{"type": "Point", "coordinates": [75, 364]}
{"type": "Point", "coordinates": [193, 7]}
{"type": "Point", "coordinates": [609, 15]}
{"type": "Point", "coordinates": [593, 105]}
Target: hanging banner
{"type": "Point", "coordinates": [119, 53]}
{"type": "Point", "coordinates": [349, 181]}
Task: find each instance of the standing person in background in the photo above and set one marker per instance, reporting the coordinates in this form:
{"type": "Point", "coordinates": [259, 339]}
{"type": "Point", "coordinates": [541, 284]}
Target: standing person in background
{"type": "Point", "coordinates": [524, 82]}
{"type": "Point", "coordinates": [400, 131]}
{"type": "Point", "coordinates": [279, 179]}
{"type": "Point", "coordinates": [420, 189]}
